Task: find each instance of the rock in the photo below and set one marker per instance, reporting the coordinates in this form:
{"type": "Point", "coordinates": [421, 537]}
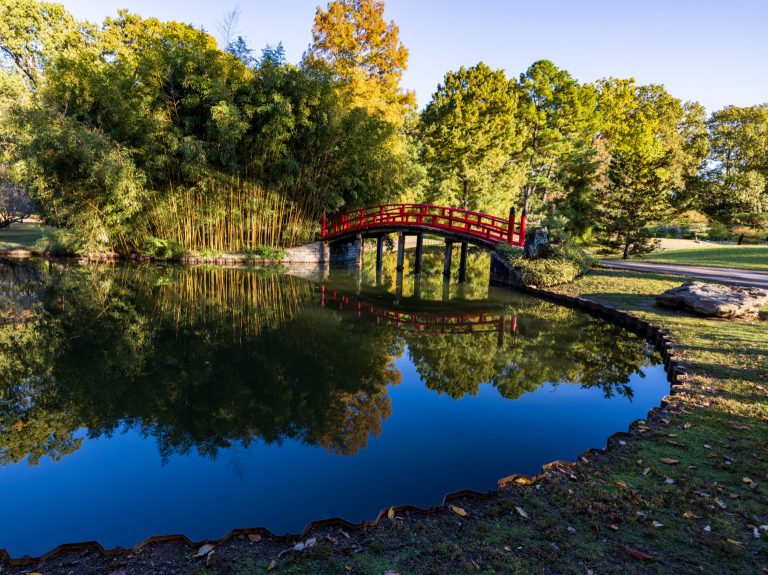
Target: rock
{"type": "Point", "coordinates": [536, 244]}
{"type": "Point", "coordinates": [715, 299]}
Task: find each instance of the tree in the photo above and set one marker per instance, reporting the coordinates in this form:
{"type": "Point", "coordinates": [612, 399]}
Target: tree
{"type": "Point", "coordinates": [469, 134]}
{"type": "Point", "coordinates": [656, 145]}
{"type": "Point", "coordinates": [557, 116]}
{"type": "Point", "coordinates": [365, 55]}
{"type": "Point", "coordinates": [735, 185]}
{"type": "Point", "coordinates": [31, 33]}
{"type": "Point", "coordinates": [15, 204]}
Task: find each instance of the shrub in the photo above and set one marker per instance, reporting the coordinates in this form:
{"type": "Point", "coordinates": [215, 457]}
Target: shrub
{"type": "Point", "coordinates": [267, 253]}
{"type": "Point", "coordinates": [562, 266]}
{"type": "Point", "coordinates": [59, 242]}
{"type": "Point", "coordinates": [719, 232]}
{"type": "Point", "coordinates": [160, 249]}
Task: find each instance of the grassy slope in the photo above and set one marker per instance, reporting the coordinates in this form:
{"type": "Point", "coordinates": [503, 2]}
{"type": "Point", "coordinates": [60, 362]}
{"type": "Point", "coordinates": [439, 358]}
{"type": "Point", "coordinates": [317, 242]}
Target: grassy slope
{"type": "Point", "coordinates": [582, 519]}
{"type": "Point", "coordinates": [743, 257]}
{"type": "Point", "coordinates": [20, 236]}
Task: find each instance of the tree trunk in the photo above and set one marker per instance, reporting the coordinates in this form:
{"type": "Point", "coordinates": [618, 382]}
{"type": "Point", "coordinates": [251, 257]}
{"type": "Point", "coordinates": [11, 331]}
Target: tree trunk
{"type": "Point", "coordinates": [626, 250]}
{"type": "Point", "coordinates": [741, 239]}
{"type": "Point", "coordinates": [465, 196]}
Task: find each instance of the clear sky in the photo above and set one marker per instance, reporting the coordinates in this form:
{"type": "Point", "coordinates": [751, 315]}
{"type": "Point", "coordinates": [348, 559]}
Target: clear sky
{"type": "Point", "coordinates": [713, 51]}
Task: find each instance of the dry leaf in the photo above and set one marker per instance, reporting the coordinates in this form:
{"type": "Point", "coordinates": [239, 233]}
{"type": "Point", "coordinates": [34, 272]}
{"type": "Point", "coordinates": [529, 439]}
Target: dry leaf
{"type": "Point", "coordinates": [669, 461]}
{"type": "Point", "coordinates": [458, 511]}
{"type": "Point", "coordinates": [638, 554]}
{"type": "Point", "coordinates": [746, 480]}
{"type": "Point", "coordinates": [620, 484]}
{"type": "Point", "coordinates": [690, 515]}
{"type": "Point", "coordinates": [391, 513]}
{"type": "Point", "coordinates": [614, 527]}
{"type": "Point", "coordinates": [669, 480]}
{"type": "Point", "coordinates": [272, 565]}
{"type": "Point", "coordinates": [254, 537]}
{"type": "Point", "coordinates": [646, 470]}
{"type": "Point", "coordinates": [521, 512]}
{"type": "Point", "coordinates": [204, 550]}
{"type": "Point", "coordinates": [687, 425]}
{"type": "Point", "coordinates": [344, 533]}
{"type": "Point", "coordinates": [734, 542]}
{"type": "Point", "coordinates": [657, 524]}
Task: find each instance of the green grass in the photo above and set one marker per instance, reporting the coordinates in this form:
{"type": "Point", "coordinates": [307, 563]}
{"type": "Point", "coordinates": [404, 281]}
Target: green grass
{"type": "Point", "coordinates": [20, 236]}
{"type": "Point", "coordinates": [742, 257]}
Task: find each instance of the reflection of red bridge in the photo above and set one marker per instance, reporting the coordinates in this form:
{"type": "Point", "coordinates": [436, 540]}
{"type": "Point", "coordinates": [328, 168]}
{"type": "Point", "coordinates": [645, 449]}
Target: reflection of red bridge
{"type": "Point", "coordinates": [435, 323]}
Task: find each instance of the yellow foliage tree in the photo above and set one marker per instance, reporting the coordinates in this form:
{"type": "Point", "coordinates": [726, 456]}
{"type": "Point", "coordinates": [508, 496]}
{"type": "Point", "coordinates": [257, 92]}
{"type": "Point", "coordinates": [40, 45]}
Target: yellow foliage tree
{"type": "Point", "coordinates": [365, 54]}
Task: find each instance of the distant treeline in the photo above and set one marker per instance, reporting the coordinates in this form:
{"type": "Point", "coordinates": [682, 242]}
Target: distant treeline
{"type": "Point", "coordinates": [142, 136]}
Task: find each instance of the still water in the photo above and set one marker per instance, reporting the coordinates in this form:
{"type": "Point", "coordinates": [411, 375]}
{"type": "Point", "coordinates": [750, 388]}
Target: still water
{"type": "Point", "coordinates": [145, 400]}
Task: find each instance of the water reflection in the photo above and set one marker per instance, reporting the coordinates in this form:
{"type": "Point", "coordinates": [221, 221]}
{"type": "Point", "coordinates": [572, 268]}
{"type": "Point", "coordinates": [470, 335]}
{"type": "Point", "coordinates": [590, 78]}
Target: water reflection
{"type": "Point", "coordinates": [203, 358]}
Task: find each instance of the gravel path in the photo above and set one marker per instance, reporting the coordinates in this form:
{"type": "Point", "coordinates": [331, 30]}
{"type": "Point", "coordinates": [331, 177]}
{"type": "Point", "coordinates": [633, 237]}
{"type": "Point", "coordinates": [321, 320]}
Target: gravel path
{"type": "Point", "coordinates": [721, 275]}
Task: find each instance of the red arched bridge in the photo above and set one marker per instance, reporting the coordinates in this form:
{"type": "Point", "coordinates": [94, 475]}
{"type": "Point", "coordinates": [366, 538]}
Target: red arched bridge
{"type": "Point", "coordinates": [456, 225]}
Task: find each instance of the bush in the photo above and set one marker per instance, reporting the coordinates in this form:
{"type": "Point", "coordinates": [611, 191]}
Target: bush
{"type": "Point", "coordinates": [59, 242]}
{"type": "Point", "coordinates": [160, 249]}
{"type": "Point", "coordinates": [562, 266]}
{"type": "Point", "coordinates": [267, 253]}
{"type": "Point", "coordinates": [719, 232]}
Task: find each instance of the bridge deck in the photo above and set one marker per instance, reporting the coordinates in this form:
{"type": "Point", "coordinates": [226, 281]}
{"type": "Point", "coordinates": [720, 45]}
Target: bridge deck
{"type": "Point", "coordinates": [474, 227]}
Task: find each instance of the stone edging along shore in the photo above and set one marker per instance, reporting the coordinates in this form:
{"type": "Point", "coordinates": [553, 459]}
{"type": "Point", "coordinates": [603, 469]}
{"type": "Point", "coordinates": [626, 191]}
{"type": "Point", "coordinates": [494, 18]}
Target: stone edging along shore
{"type": "Point", "coordinates": [655, 335]}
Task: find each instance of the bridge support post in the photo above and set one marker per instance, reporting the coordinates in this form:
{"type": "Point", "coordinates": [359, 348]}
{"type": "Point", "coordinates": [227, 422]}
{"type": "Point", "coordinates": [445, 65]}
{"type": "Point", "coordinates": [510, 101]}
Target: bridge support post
{"type": "Point", "coordinates": [417, 287]}
{"type": "Point", "coordinates": [446, 288]}
{"type": "Point", "coordinates": [399, 284]}
{"type": "Point", "coordinates": [379, 258]}
{"type": "Point", "coordinates": [419, 252]}
{"type": "Point", "coordinates": [500, 339]}
{"type": "Point", "coordinates": [400, 251]}
{"type": "Point", "coordinates": [360, 248]}
{"type": "Point", "coordinates": [463, 263]}
{"type": "Point", "coordinates": [447, 258]}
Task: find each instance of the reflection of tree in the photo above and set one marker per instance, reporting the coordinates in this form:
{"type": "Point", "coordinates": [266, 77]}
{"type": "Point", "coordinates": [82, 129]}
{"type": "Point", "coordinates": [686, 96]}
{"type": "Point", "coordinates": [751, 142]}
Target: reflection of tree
{"type": "Point", "coordinates": [553, 344]}
{"type": "Point", "coordinates": [146, 348]}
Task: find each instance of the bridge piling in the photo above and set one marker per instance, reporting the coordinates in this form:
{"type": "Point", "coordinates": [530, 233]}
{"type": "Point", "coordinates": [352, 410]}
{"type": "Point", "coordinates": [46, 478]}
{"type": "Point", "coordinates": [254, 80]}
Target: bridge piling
{"type": "Point", "coordinates": [379, 258]}
{"type": "Point", "coordinates": [360, 248]}
{"type": "Point", "coordinates": [400, 251]}
{"type": "Point", "coordinates": [419, 253]}
{"type": "Point", "coordinates": [463, 263]}
{"type": "Point", "coordinates": [447, 258]}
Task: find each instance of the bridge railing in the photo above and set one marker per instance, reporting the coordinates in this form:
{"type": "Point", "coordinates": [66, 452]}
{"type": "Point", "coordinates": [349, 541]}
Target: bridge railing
{"type": "Point", "coordinates": [485, 227]}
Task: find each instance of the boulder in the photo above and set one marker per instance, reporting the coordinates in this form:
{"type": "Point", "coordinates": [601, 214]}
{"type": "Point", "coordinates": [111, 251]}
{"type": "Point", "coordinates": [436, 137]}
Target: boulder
{"type": "Point", "coordinates": [536, 244]}
{"type": "Point", "coordinates": [715, 299]}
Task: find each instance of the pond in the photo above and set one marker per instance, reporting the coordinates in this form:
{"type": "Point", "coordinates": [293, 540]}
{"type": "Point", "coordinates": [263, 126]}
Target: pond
{"type": "Point", "coordinates": [140, 400]}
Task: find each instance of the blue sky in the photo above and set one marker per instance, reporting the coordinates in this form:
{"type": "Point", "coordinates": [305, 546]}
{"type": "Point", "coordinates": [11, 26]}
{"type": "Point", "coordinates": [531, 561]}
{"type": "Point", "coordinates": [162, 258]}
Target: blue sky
{"type": "Point", "coordinates": [715, 52]}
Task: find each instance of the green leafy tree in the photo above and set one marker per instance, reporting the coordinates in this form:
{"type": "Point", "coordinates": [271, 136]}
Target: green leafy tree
{"type": "Point", "coordinates": [558, 117]}
{"type": "Point", "coordinates": [656, 146]}
{"type": "Point", "coordinates": [735, 185]}
{"type": "Point", "coordinates": [469, 133]}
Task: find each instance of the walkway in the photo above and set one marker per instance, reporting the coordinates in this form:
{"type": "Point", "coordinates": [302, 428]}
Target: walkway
{"type": "Point", "coordinates": [734, 276]}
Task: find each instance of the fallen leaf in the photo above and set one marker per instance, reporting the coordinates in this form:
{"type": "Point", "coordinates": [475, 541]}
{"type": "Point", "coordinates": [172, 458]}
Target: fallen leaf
{"type": "Point", "coordinates": [638, 554]}
{"type": "Point", "coordinates": [656, 524]}
{"type": "Point", "coordinates": [746, 480]}
{"type": "Point", "coordinates": [614, 527]}
{"type": "Point", "coordinates": [620, 484]}
{"type": "Point", "coordinates": [254, 537]}
{"type": "Point", "coordinates": [669, 461]}
{"type": "Point", "coordinates": [707, 529]}
{"type": "Point", "coordinates": [344, 533]}
{"type": "Point", "coordinates": [686, 425]}
{"type": "Point", "coordinates": [521, 512]}
{"type": "Point", "coordinates": [272, 565]}
{"type": "Point", "coordinates": [646, 470]}
{"type": "Point", "coordinates": [507, 548]}
{"type": "Point", "coordinates": [204, 550]}
{"type": "Point", "coordinates": [458, 511]}
{"type": "Point", "coordinates": [669, 480]}
{"type": "Point", "coordinates": [734, 542]}
{"type": "Point", "coordinates": [391, 514]}
{"type": "Point", "coordinates": [690, 515]}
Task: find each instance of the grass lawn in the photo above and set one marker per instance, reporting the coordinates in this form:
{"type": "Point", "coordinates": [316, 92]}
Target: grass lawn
{"type": "Point", "coordinates": [685, 492]}
{"type": "Point", "coordinates": [20, 236]}
{"type": "Point", "coordinates": [743, 257]}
